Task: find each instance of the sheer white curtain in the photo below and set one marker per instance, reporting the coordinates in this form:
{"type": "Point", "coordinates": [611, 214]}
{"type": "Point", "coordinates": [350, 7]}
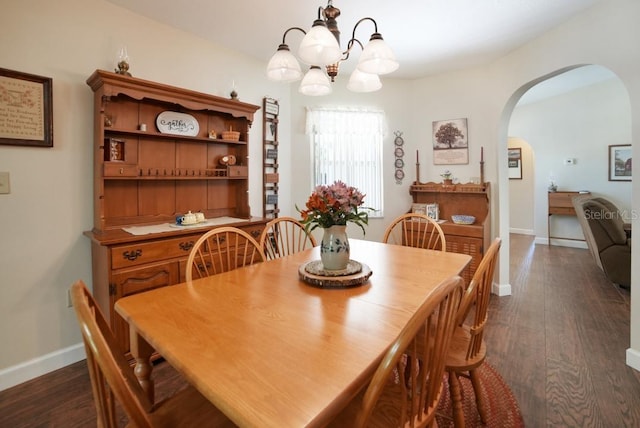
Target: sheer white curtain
{"type": "Point", "coordinates": [347, 145]}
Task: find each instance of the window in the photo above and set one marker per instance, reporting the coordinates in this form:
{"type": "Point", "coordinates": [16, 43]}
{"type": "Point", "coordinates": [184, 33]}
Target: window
{"type": "Point", "coordinates": [346, 145]}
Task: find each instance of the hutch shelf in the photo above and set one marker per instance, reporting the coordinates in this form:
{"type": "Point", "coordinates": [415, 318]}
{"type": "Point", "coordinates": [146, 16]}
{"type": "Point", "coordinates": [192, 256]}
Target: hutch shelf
{"type": "Point", "coordinates": [145, 175]}
{"type": "Point", "coordinates": [468, 199]}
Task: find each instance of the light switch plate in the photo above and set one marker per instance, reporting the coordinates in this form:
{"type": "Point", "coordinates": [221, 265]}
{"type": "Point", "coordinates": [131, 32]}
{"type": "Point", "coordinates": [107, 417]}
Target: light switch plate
{"type": "Point", "coordinates": [4, 183]}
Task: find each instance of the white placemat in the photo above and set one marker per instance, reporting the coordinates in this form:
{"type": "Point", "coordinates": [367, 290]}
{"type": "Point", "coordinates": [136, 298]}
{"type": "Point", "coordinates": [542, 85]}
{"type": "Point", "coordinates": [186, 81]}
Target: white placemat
{"type": "Point", "coordinates": [169, 227]}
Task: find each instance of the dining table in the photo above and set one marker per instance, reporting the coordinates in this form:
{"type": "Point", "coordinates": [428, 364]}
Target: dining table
{"type": "Point", "coordinates": [270, 349]}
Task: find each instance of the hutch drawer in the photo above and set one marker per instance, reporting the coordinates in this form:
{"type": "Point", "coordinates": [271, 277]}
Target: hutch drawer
{"type": "Point", "coordinates": [145, 252]}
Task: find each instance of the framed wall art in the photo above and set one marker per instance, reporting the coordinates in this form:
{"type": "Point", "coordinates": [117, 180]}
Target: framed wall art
{"type": "Point", "coordinates": [515, 163]}
{"type": "Point", "coordinates": [450, 142]}
{"type": "Point", "coordinates": [620, 162]}
{"type": "Point", "coordinates": [26, 109]}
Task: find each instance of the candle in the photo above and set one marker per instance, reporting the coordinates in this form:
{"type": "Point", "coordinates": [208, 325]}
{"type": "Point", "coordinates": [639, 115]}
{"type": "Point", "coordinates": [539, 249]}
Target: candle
{"type": "Point", "coordinates": [481, 154]}
{"type": "Point", "coordinates": [417, 157]}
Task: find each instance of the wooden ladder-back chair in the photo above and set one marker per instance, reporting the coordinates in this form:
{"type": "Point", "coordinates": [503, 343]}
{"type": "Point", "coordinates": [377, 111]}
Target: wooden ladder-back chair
{"type": "Point", "coordinates": [283, 236]}
{"type": "Point", "coordinates": [403, 393]}
{"type": "Point", "coordinates": [416, 230]}
{"type": "Point", "coordinates": [468, 350]}
{"type": "Point", "coordinates": [112, 379]}
{"type": "Point", "coordinates": [220, 250]}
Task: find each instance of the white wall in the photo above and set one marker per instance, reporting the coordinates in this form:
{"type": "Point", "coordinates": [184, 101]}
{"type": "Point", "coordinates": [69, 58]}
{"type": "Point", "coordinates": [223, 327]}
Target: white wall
{"type": "Point", "coordinates": [579, 125]}
{"type": "Point", "coordinates": [521, 200]}
{"type": "Point", "coordinates": [42, 249]}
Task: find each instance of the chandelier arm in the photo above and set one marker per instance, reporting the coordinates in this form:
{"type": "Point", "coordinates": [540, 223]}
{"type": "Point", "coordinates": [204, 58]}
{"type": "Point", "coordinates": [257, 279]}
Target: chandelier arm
{"type": "Point", "coordinates": [349, 47]}
{"type": "Point", "coordinates": [292, 28]}
{"type": "Point", "coordinates": [375, 25]}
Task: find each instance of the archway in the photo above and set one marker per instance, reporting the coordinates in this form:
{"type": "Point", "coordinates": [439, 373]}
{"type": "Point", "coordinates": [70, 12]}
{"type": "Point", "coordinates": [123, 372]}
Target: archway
{"type": "Point", "coordinates": [593, 158]}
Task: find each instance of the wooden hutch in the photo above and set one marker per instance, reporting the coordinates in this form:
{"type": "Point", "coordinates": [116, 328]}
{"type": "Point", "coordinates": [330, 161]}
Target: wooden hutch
{"type": "Point", "coordinates": [146, 174]}
{"type": "Point", "coordinates": [455, 199]}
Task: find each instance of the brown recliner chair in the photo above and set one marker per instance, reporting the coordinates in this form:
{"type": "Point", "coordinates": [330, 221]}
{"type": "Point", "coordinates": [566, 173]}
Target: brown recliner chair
{"type": "Point", "coordinates": [608, 237]}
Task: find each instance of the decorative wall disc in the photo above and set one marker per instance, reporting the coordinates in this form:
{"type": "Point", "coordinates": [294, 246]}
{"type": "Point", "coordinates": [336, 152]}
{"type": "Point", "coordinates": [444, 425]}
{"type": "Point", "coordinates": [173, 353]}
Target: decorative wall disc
{"type": "Point", "coordinates": [399, 153]}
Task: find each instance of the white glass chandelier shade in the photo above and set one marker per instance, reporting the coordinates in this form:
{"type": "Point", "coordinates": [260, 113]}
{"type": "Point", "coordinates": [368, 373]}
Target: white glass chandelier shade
{"type": "Point", "coordinates": [319, 46]}
{"type": "Point", "coordinates": [315, 83]}
{"type": "Point", "coordinates": [283, 66]}
{"type": "Point", "coordinates": [360, 81]}
{"type": "Point", "coordinates": [377, 57]}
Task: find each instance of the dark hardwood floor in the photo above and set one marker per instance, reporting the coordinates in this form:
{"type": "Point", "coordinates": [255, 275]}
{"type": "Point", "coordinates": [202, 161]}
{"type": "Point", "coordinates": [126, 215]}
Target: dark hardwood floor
{"type": "Point", "coordinates": [559, 341]}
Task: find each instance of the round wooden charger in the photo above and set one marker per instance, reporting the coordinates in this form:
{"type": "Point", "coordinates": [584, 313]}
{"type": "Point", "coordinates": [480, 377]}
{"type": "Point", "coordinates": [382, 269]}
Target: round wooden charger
{"type": "Point", "coordinates": [356, 274]}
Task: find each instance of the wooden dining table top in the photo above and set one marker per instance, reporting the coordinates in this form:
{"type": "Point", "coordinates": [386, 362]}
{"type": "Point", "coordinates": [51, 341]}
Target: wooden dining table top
{"type": "Point", "coordinates": [268, 349]}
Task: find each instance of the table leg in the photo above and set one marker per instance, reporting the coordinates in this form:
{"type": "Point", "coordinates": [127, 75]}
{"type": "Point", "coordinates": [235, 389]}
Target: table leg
{"type": "Point", "coordinates": [142, 351]}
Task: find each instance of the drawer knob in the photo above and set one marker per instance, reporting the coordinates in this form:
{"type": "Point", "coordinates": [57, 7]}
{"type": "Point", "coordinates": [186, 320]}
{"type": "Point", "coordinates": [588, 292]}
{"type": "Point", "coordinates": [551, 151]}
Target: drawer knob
{"type": "Point", "coordinates": [186, 246]}
{"type": "Point", "coordinates": [132, 255]}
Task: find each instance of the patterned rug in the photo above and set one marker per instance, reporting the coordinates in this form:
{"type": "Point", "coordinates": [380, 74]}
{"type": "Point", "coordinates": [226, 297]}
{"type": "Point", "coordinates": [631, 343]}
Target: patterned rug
{"type": "Point", "coordinates": [502, 408]}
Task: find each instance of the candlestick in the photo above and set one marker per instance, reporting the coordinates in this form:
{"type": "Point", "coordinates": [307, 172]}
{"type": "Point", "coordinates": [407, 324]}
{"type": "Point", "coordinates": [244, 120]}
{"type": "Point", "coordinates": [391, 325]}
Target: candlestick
{"type": "Point", "coordinates": [481, 154]}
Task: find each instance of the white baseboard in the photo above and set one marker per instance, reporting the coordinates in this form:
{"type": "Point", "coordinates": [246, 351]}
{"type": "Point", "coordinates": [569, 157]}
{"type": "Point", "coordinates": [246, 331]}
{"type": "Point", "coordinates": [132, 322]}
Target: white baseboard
{"type": "Point", "coordinates": [633, 359]}
{"type": "Point", "coordinates": [15, 375]}
{"type": "Point", "coordinates": [501, 289]}
{"type": "Point", "coordinates": [559, 242]}
{"type": "Point", "coordinates": [521, 231]}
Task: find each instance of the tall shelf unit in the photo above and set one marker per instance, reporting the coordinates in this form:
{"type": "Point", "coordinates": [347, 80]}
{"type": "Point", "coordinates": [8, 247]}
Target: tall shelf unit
{"type": "Point", "coordinates": [146, 175]}
{"type": "Point", "coordinates": [270, 111]}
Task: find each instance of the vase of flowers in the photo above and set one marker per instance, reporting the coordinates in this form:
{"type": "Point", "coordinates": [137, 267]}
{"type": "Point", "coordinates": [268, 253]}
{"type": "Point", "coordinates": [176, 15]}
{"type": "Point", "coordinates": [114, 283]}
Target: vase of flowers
{"type": "Point", "coordinates": [331, 208]}
{"type": "Point", "coordinates": [334, 248]}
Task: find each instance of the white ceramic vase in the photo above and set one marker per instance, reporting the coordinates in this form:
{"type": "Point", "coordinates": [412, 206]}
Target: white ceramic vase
{"type": "Point", "coordinates": [334, 248]}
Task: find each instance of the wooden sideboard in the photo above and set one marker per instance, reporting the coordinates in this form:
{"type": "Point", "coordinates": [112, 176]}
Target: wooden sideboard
{"type": "Point", "coordinates": [146, 174]}
{"type": "Point", "coordinates": [561, 203]}
{"type": "Point", "coordinates": [467, 199]}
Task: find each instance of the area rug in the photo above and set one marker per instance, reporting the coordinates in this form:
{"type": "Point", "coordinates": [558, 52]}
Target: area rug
{"type": "Point", "coordinates": [502, 407]}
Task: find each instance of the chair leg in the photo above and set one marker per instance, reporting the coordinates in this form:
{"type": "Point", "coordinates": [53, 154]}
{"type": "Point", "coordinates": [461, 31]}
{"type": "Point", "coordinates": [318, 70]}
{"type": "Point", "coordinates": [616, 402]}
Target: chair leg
{"type": "Point", "coordinates": [477, 389]}
{"type": "Point", "coordinates": [456, 400]}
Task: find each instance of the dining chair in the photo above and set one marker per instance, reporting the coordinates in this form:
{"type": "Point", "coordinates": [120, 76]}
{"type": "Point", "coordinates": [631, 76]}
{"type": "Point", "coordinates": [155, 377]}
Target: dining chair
{"type": "Point", "coordinates": [468, 349]}
{"type": "Point", "coordinates": [283, 236]}
{"type": "Point", "coordinates": [403, 393]}
{"type": "Point", "coordinates": [220, 250]}
{"type": "Point", "coordinates": [113, 380]}
{"type": "Point", "coordinates": [416, 230]}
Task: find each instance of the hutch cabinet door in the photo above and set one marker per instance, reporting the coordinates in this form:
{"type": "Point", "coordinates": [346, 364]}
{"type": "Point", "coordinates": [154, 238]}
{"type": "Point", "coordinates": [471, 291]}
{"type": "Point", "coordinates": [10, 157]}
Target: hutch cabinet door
{"type": "Point", "coordinates": [127, 282]}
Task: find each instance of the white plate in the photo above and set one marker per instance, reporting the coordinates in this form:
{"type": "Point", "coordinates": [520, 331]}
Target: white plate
{"type": "Point", "coordinates": [173, 122]}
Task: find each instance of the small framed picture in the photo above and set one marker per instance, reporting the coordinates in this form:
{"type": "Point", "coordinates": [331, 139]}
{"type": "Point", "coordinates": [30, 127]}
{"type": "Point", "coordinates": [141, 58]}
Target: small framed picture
{"type": "Point", "coordinates": [620, 162]}
{"type": "Point", "coordinates": [433, 211]}
{"type": "Point", "coordinates": [515, 164]}
{"type": "Point", "coordinates": [419, 208]}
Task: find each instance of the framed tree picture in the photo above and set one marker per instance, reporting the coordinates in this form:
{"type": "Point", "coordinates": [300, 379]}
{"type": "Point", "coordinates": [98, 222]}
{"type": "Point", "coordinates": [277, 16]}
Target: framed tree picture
{"type": "Point", "coordinates": [450, 142]}
{"type": "Point", "coordinates": [26, 109]}
{"type": "Point", "coordinates": [515, 163]}
{"type": "Point", "coordinates": [620, 162]}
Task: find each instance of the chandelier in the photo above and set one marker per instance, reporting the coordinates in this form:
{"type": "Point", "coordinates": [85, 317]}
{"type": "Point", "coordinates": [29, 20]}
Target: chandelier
{"type": "Point", "coordinates": [320, 47]}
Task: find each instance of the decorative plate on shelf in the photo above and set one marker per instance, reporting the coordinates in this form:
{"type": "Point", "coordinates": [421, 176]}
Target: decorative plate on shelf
{"type": "Point", "coordinates": [175, 123]}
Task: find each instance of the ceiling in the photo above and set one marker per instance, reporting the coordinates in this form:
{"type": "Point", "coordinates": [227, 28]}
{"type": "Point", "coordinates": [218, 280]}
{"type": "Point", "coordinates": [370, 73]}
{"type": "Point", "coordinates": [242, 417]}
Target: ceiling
{"type": "Point", "coordinates": [427, 36]}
